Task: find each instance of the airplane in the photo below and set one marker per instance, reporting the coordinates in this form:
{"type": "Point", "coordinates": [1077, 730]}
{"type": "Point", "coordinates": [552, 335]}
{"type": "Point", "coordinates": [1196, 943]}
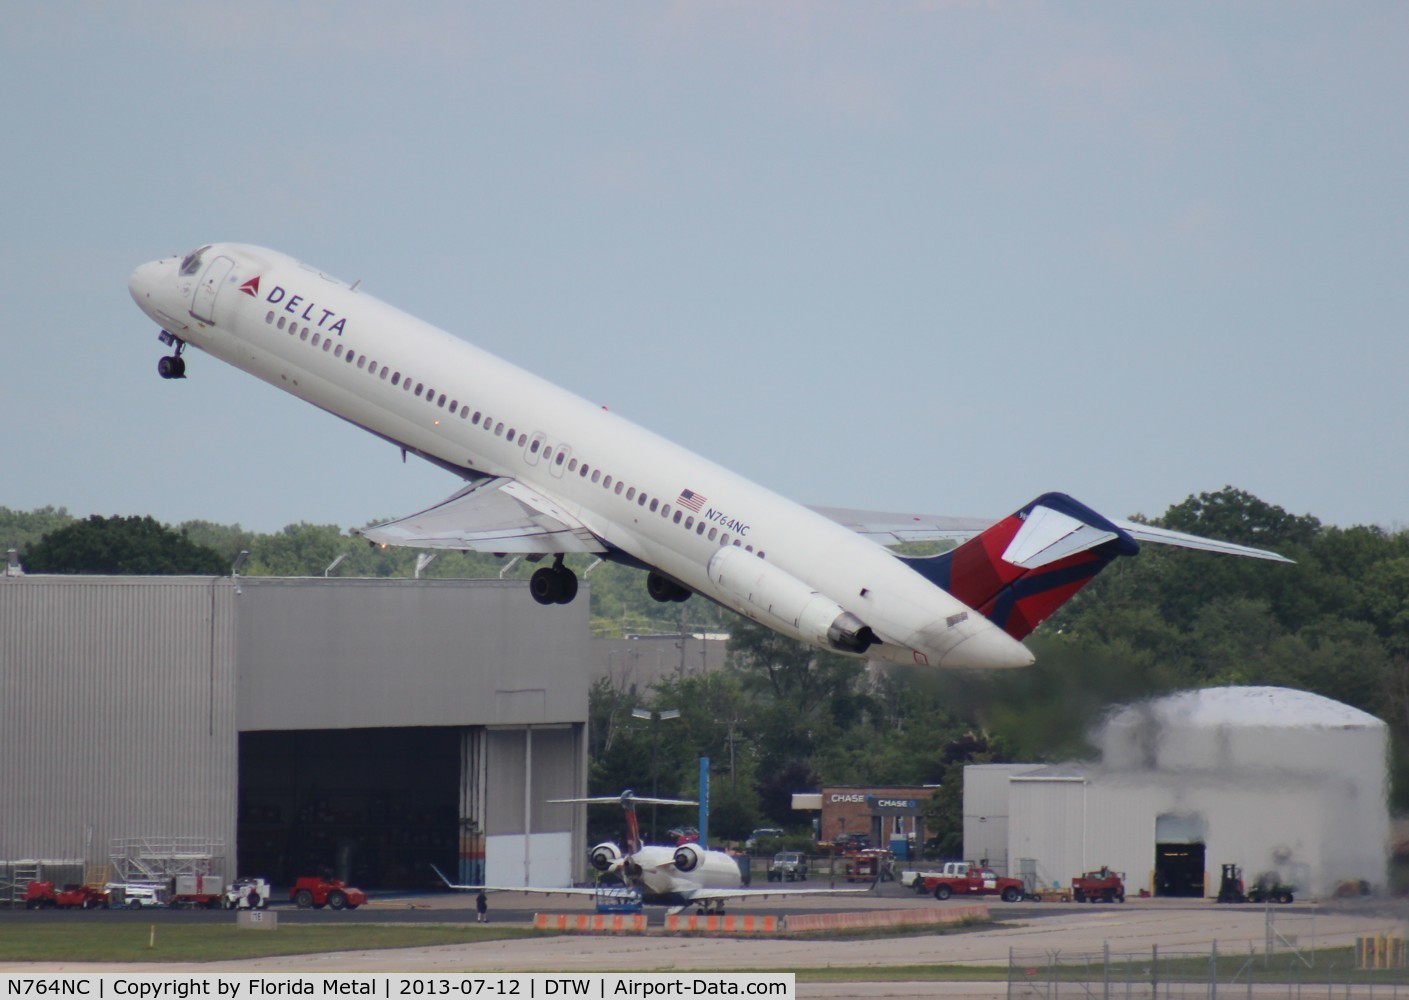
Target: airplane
{"type": "Point", "coordinates": [547, 474]}
{"type": "Point", "coordinates": [688, 874]}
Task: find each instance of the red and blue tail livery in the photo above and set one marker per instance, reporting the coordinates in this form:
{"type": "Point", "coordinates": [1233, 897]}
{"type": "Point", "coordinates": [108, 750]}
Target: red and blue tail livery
{"type": "Point", "coordinates": [1020, 570]}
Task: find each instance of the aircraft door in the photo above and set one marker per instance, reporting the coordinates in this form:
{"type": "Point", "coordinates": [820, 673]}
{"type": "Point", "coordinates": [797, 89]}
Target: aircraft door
{"type": "Point", "coordinates": [558, 460]}
{"type": "Point", "coordinates": [203, 303]}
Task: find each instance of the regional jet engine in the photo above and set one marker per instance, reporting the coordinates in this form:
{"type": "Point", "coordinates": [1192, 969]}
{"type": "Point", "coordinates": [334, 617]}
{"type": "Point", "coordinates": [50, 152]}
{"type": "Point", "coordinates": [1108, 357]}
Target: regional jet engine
{"type": "Point", "coordinates": [688, 857]}
{"type": "Point", "coordinates": [605, 857]}
{"type": "Point", "coordinates": [785, 598]}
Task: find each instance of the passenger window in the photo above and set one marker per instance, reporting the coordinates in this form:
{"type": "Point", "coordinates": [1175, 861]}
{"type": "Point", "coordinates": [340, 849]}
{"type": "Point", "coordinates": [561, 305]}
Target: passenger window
{"type": "Point", "coordinates": [676, 518]}
{"type": "Point", "coordinates": [419, 387]}
{"type": "Point", "coordinates": [596, 474]}
{"type": "Point", "coordinates": [476, 418]}
{"type": "Point", "coordinates": [736, 543]}
{"type": "Point", "coordinates": [712, 532]}
{"type": "Point", "coordinates": [523, 439]}
{"type": "Point", "coordinates": [315, 340]}
{"type": "Point", "coordinates": [499, 429]}
{"type": "Point", "coordinates": [572, 466]}
{"type": "Point", "coordinates": [362, 363]}
{"type": "Point", "coordinates": [269, 316]}
{"type": "Point", "coordinates": [384, 371]}
{"type": "Point", "coordinates": [441, 401]}
{"type": "Point", "coordinates": [396, 379]}
{"type": "Point", "coordinates": [689, 523]}
{"type": "Point", "coordinates": [327, 345]}
{"type": "Point", "coordinates": [654, 505]}
{"type": "Point", "coordinates": [547, 454]}
{"type": "Point", "coordinates": [641, 501]}
{"type": "Point", "coordinates": [464, 413]}
{"type": "Point", "coordinates": [281, 322]}
{"type": "Point", "coordinates": [619, 485]}
{"type": "Point", "coordinates": [533, 448]}
{"type": "Point", "coordinates": [631, 493]}
{"type": "Point", "coordinates": [338, 352]}
{"type": "Point", "coordinates": [304, 334]}
{"type": "Point", "coordinates": [454, 405]}
{"type": "Point", "coordinates": [559, 459]}
{"type": "Point", "coordinates": [699, 528]}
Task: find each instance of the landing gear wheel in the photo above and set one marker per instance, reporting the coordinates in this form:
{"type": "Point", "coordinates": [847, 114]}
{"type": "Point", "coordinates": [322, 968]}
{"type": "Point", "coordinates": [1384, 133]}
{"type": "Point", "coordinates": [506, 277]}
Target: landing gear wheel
{"type": "Point", "coordinates": [172, 366]}
{"type": "Point", "coordinates": [554, 584]}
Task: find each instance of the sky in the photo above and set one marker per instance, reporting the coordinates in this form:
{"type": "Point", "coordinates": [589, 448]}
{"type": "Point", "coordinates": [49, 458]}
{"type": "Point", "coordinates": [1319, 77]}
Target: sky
{"type": "Point", "coordinates": [934, 256]}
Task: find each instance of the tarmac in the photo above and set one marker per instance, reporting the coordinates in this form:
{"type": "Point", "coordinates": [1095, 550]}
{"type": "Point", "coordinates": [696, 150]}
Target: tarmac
{"type": "Point", "coordinates": [1027, 932]}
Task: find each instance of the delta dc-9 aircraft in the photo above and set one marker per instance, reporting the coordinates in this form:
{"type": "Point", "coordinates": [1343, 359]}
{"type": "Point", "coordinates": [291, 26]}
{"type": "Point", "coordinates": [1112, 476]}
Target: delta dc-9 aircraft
{"type": "Point", "coordinates": [548, 474]}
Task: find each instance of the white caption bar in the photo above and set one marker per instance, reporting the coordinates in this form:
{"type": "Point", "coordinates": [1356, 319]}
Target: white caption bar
{"type": "Point", "coordinates": [397, 986]}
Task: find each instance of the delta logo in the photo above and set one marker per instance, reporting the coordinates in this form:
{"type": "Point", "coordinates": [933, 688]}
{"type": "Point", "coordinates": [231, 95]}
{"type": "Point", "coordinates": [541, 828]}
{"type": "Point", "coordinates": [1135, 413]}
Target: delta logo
{"type": "Point", "coordinates": [251, 287]}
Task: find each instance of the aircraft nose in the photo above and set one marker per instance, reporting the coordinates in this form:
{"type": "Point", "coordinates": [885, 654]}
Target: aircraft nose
{"type": "Point", "coordinates": [142, 281]}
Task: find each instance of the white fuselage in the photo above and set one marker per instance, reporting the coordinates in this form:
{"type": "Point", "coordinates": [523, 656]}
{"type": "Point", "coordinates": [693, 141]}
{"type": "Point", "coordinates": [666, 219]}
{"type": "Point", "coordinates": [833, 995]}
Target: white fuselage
{"type": "Point", "coordinates": [660, 880]}
{"type": "Point", "coordinates": [428, 391]}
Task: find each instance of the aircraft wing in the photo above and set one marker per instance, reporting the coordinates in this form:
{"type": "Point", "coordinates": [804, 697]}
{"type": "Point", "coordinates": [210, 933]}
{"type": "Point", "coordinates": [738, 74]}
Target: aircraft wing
{"type": "Point", "coordinates": [888, 528]}
{"type": "Point", "coordinates": [742, 893]}
{"type": "Point", "coordinates": [542, 890]}
{"type": "Point", "coordinates": [492, 515]}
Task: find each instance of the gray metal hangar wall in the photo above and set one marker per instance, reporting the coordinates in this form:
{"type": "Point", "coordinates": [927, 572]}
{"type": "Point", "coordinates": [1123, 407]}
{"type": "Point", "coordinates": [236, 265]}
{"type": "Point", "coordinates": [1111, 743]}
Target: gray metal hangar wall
{"type": "Point", "coordinates": [251, 715]}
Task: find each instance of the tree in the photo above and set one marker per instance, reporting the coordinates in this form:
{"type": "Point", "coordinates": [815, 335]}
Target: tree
{"type": "Point", "coordinates": [125, 546]}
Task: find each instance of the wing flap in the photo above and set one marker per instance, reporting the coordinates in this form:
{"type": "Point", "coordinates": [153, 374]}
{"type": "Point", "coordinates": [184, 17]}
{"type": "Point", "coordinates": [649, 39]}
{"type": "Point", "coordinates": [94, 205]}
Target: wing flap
{"type": "Point", "coordinates": [495, 515]}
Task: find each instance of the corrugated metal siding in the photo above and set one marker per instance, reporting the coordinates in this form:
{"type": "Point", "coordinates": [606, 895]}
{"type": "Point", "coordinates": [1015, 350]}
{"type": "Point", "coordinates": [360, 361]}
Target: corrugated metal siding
{"type": "Point", "coordinates": [333, 654]}
{"type": "Point", "coordinates": [1047, 824]}
{"type": "Point", "coordinates": [117, 713]}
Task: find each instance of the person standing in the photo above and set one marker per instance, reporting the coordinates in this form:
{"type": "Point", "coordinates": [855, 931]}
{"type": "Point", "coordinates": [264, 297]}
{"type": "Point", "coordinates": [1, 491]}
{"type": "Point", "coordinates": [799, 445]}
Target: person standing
{"type": "Point", "coordinates": [481, 908]}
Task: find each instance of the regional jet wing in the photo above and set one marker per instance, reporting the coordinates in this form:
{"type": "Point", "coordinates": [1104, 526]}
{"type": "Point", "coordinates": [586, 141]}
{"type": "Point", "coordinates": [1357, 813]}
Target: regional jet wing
{"type": "Point", "coordinates": [888, 528]}
{"type": "Point", "coordinates": [493, 515]}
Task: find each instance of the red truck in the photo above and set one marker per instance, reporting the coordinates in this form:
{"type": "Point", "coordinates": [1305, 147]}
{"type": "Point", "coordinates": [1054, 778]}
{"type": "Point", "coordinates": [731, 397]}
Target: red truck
{"type": "Point", "coordinates": [1101, 884]}
{"type": "Point", "coordinates": [44, 895]}
{"type": "Point", "coordinates": [975, 882]}
{"type": "Point", "coordinates": [320, 892]}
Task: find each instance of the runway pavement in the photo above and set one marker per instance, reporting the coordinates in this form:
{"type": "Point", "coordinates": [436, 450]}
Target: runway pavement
{"type": "Point", "coordinates": [1136, 926]}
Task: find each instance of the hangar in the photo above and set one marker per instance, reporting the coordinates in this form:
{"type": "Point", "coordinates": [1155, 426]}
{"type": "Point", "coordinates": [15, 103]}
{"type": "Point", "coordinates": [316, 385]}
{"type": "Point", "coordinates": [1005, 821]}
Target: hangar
{"type": "Point", "coordinates": [278, 727]}
{"type": "Point", "coordinates": [1268, 778]}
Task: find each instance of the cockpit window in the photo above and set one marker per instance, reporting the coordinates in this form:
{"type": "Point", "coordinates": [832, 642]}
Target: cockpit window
{"type": "Point", "coordinates": [191, 263]}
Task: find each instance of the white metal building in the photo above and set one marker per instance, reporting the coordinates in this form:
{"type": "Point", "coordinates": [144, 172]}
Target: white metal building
{"type": "Point", "coordinates": [281, 727]}
{"type": "Point", "coordinates": [1270, 779]}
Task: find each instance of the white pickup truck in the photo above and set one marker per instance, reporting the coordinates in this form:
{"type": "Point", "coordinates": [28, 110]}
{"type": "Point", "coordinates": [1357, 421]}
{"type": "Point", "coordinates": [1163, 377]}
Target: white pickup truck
{"type": "Point", "coordinates": [915, 878]}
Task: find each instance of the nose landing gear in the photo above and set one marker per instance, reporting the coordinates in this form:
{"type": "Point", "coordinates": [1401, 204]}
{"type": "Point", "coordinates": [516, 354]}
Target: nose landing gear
{"type": "Point", "coordinates": [172, 366]}
{"type": "Point", "coordinates": [554, 584]}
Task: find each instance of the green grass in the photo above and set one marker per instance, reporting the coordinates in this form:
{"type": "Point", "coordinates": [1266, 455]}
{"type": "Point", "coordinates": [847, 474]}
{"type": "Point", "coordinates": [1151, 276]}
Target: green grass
{"type": "Point", "coordinates": [63, 941]}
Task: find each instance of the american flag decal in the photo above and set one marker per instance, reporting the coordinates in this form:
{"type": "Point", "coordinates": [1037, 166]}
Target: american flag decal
{"type": "Point", "coordinates": [691, 500]}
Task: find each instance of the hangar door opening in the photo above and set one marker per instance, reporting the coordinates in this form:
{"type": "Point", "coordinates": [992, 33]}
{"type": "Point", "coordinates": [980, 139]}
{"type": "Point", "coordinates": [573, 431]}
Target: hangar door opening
{"type": "Point", "coordinates": [376, 807]}
{"type": "Point", "coordinates": [1179, 855]}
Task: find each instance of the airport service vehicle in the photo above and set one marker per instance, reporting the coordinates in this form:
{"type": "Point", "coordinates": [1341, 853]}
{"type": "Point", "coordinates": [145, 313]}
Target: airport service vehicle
{"type": "Point", "coordinates": [871, 865]}
{"type": "Point", "coordinates": [1268, 888]}
{"type": "Point", "coordinates": [1102, 884]}
{"type": "Point", "coordinates": [788, 866]}
{"type": "Point", "coordinates": [136, 895]}
{"type": "Point", "coordinates": [247, 894]}
{"type": "Point", "coordinates": [46, 896]}
{"type": "Point", "coordinates": [206, 891]}
{"type": "Point", "coordinates": [914, 879]}
{"type": "Point", "coordinates": [976, 882]}
{"type": "Point", "coordinates": [320, 892]}
{"type": "Point", "coordinates": [546, 473]}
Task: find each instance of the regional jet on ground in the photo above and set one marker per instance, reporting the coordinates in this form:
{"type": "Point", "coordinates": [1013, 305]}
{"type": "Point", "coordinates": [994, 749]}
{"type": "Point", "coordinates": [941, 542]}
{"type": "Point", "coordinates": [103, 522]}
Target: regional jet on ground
{"type": "Point", "coordinates": [686, 875]}
{"type": "Point", "coordinates": [548, 473]}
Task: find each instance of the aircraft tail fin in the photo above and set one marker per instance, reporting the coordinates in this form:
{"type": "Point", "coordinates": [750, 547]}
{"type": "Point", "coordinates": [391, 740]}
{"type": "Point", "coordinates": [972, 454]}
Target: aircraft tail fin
{"type": "Point", "coordinates": [1020, 570]}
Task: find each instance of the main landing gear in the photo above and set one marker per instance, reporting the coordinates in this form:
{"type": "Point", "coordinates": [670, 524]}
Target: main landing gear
{"type": "Point", "coordinates": [555, 584]}
{"type": "Point", "coordinates": [172, 366]}
{"type": "Point", "coordinates": [664, 590]}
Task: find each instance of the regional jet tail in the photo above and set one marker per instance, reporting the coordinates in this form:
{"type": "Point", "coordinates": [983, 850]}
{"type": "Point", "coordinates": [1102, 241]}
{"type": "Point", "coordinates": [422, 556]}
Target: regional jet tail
{"type": "Point", "coordinates": [548, 474]}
